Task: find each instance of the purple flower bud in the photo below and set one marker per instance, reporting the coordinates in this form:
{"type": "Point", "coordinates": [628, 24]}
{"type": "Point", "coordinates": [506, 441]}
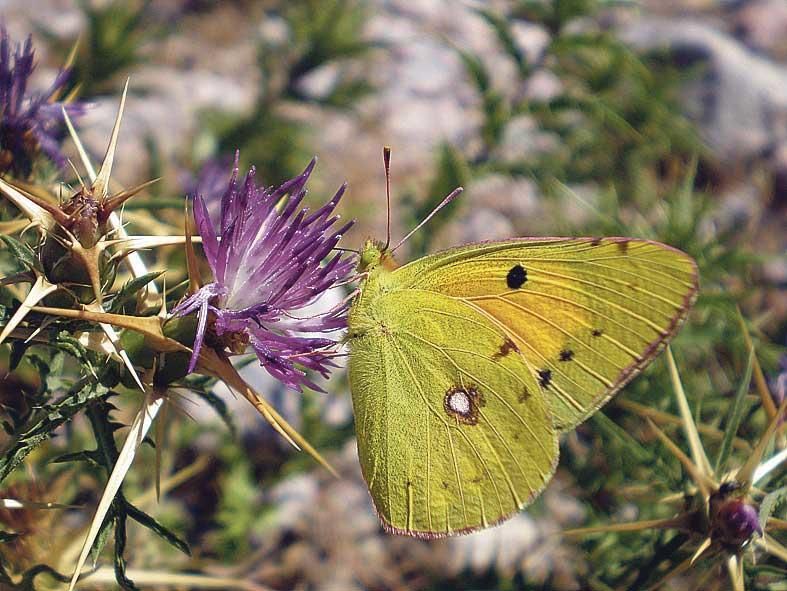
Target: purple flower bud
{"type": "Point", "coordinates": [270, 260]}
{"type": "Point", "coordinates": [737, 522]}
{"type": "Point", "coordinates": [29, 123]}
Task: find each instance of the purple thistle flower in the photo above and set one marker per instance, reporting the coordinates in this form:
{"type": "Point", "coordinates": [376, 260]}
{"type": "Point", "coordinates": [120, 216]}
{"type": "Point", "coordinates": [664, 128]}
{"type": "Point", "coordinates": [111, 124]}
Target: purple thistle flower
{"type": "Point", "coordinates": [271, 262]}
{"type": "Point", "coordinates": [29, 123]}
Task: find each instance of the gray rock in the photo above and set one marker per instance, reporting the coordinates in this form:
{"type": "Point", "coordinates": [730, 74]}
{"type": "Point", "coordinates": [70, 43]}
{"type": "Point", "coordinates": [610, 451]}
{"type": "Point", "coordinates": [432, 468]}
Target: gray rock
{"type": "Point", "coordinates": [762, 25]}
{"type": "Point", "coordinates": [485, 224]}
{"type": "Point", "coordinates": [523, 139]}
{"type": "Point", "coordinates": [739, 101]}
{"type": "Point", "coordinates": [542, 85]}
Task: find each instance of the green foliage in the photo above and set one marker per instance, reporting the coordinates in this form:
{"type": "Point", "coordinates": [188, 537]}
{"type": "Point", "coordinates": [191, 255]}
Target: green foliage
{"type": "Point", "coordinates": [615, 116]}
{"type": "Point", "coordinates": [106, 454]}
{"type": "Point", "coordinates": [771, 502]}
{"type": "Point", "coordinates": [319, 35]}
{"type": "Point", "coordinates": [238, 511]}
{"type": "Point", "coordinates": [111, 45]}
{"type": "Point", "coordinates": [322, 33]}
{"type": "Point", "coordinates": [125, 299]}
{"type": "Point", "coordinates": [735, 416]}
{"type": "Point", "coordinates": [21, 253]}
{"type": "Point", "coordinates": [451, 171]}
{"type": "Point", "coordinates": [42, 422]}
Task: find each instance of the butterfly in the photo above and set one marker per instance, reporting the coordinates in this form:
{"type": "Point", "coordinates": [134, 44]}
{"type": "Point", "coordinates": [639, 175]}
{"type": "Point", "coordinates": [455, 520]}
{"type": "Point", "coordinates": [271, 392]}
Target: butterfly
{"type": "Point", "coordinates": [466, 365]}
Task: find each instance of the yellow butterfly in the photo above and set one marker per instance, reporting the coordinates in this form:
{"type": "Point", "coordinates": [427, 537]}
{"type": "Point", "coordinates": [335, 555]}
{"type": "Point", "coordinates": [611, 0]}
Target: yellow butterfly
{"type": "Point", "coordinates": [466, 365]}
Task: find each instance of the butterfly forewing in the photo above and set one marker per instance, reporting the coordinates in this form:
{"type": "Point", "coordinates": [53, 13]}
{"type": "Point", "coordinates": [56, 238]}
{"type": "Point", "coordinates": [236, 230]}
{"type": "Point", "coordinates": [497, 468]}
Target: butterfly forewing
{"type": "Point", "coordinates": [453, 430]}
{"type": "Point", "coordinates": [586, 314]}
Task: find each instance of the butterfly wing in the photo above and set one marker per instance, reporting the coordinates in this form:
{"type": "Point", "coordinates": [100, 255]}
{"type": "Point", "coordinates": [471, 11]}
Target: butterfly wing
{"type": "Point", "coordinates": [453, 431]}
{"type": "Point", "coordinates": [587, 314]}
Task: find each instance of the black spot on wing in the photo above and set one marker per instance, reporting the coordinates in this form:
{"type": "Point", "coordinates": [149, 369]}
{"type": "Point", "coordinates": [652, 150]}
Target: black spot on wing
{"type": "Point", "coordinates": [544, 377]}
{"type": "Point", "coordinates": [566, 355]}
{"type": "Point", "coordinates": [597, 332]}
{"type": "Point", "coordinates": [516, 277]}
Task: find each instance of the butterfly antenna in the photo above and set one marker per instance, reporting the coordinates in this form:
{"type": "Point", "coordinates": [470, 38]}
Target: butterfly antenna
{"type": "Point", "coordinates": [387, 165]}
{"type": "Point", "coordinates": [450, 197]}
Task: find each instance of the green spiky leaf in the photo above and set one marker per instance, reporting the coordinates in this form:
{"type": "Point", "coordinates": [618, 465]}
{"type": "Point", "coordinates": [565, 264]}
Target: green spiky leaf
{"type": "Point", "coordinates": [770, 503]}
{"type": "Point", "coordinates": [735, 415]}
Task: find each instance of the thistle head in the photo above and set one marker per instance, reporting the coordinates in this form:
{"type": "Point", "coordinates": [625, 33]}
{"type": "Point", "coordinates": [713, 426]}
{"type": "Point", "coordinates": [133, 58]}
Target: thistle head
{"type": "Point", "coordinates": [83, 210]}
{"type": "Point", "coordinates": [733, 520]}
{"type": "Point", "coordinates": [30, 123]}
{"type": "Point", "coordinates": [271, 260]}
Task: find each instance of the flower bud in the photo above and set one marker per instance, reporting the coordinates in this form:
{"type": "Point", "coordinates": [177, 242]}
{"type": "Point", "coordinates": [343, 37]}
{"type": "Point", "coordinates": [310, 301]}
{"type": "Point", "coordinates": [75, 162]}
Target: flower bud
{"type": "Point", "coordinates": [83, 211]}
{"type": "Point", "coordinates": [736, 522]}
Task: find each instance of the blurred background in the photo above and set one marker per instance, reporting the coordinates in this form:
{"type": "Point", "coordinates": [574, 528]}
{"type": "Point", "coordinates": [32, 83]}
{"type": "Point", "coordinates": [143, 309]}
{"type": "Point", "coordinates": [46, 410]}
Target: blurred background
{"type": "Point", "coordinates": [662, 119]}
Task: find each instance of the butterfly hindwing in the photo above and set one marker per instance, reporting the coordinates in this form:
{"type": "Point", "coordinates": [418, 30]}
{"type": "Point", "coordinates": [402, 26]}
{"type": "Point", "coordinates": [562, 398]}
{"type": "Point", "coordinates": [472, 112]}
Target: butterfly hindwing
{"type": "Point", "coordinates": [453, 431]}
{"type": "Point", "coordinates": [587, 314]}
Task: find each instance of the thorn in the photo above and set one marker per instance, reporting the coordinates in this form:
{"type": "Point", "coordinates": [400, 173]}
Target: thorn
{"type": "Point", "coordinates": [136, 434]}
{"type": "Point", "coordinates": [30, 226]}
{"type": "Point", "coordinates": [704, 482]}
{"type": "Point", "coordinates": [677, 522]}
{"type": "Point", "coordinates": [701, 550]}
{"type": "Point", "coordinates": [91, 172]}
{"type": "Point", "coordinates": [746, 474]}
{"type": "Point", "coordinates": [759, 378]}
{"type": "Point", "coordinates": [73, 52]}
{"type": "Point", "coordinates": [211, 363]}
{"type": "Point", "coordinates": [90, 259]}
{"type": "Point", "coordinates": [115, 340]}
{"type": "Point", "coordinates": [149, 326]}
{"type": "Point", "coordinates": [160, 445]}
{"type": "Point", "coordinates": [689, 426]}
{"type": "Point", "coordinates": [39, 203]}
{"type": "Point", "coordinates": [39, 290]}
{"type": "Point", "coordinates": [79, 176]}
{"type": "Point", "coordinates": [163, 311]}
{"type": "Point", "coordinates": [71, 96]}
{"type": "Point", "coordinates": [110, 204]}
{"type": "Point", "coordinates": [101, 183]}
{"type": "Point", "coordinates": [135, 262]}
